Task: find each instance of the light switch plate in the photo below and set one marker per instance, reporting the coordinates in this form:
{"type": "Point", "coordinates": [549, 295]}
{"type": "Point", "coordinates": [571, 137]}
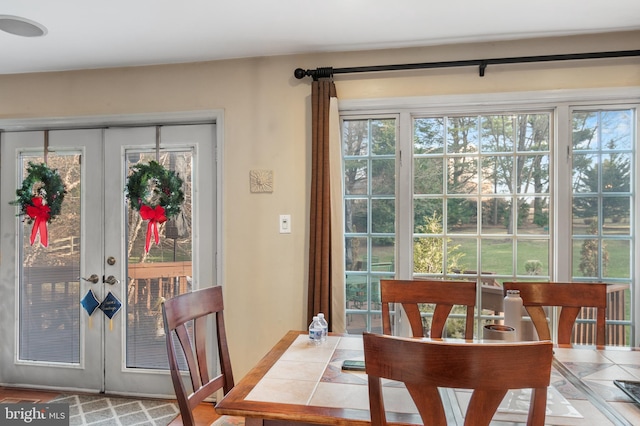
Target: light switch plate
{"type": "Point", "coordinates": [285, 223]}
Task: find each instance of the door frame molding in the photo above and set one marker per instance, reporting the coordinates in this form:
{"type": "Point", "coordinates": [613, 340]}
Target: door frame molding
{"type": "Point", "coordinates": [215, 116]}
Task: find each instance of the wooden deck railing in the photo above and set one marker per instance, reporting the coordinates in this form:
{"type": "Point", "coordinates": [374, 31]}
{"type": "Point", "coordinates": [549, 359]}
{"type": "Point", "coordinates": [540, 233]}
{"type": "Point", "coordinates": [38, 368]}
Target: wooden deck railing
{"type": "Point", "coordinates": [151, 283]}
{"type": "Point", "coordinates": [615, 335]}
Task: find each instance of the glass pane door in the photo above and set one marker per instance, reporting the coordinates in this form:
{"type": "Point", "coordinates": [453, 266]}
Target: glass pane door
{"type": "Point", "coordinates": [180, 261]}
{"type": "Point", "coordinates": [48, 340]}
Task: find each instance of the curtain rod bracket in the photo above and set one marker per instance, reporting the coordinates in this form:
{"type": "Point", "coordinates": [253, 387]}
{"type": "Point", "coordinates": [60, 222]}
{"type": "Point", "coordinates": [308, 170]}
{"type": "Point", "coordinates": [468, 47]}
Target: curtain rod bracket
{"type": "Point", "coordinates": [482, 68]}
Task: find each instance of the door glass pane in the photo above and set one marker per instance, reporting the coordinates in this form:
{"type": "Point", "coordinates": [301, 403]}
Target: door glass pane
{"type": "Point", "coordinates": [49, 277]}
{"type": "Point", "coordinates": [162, 273]}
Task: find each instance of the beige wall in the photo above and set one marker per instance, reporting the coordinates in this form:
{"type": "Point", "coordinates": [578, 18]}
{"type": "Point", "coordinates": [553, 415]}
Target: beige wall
{"type": "Point", "coordinates": [267, 118]}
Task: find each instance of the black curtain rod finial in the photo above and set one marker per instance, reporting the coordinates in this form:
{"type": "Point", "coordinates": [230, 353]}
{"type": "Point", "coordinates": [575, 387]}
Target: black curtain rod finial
{"type": "Point", "coordinates": [299, 73]}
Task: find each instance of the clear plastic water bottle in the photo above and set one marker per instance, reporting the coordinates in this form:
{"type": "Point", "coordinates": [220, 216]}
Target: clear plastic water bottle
{"type": "Point", "coordinates": [513, 312]}
{"type": "Point", "coordinates": [325, 326]}
{"type": "Point", "coordinates": [315, 331]}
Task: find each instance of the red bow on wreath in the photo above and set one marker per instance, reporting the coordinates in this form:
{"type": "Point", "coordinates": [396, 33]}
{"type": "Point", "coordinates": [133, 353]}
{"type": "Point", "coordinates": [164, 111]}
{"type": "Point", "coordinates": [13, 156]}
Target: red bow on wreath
{"type": "Point", "coordinates": [154, 216]}
{"type": "Point", "coordinates": [40, 213]}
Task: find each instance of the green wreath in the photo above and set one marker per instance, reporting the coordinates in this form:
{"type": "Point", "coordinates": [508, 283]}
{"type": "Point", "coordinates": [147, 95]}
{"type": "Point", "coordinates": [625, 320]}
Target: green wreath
{"type": "Point", "coordinates": [153, 185]}
{"type": "Point", "coordinates": [44, 185]}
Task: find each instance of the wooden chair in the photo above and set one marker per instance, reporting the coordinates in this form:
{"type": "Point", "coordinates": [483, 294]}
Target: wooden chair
{"type": "Point", "coordinates": [188, 314]}
{"type": "Point", "coordinates": [490, 369]}
{"type": "Point", "coordinates": [444, 294]}
{"type": "Point", "coordinates": [571, 297]}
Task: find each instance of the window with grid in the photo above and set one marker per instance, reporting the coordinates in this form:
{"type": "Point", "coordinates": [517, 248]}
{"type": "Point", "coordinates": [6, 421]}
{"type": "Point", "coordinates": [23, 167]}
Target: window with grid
{"type": "Point", "coordinates": [483, 202]}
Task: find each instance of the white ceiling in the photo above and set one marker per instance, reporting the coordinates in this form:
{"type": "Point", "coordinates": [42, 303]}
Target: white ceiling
{"type": "Point", "coordinates": [98, 34]}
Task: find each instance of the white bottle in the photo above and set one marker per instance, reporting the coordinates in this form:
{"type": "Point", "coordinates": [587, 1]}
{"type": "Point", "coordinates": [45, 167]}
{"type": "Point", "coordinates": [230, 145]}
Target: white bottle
{"type": "Point", "coordinates": [315, 331]}
{"type": "Point", "coordinates": [325, 326]}
{"type": "Point", "coordinates": [513, 312]}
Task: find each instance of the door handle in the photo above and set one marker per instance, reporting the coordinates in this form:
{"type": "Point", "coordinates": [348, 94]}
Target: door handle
{"type": "Point", "coordinates": [92, 279]}
{"type": "Point", "coordinates": [110, 280]}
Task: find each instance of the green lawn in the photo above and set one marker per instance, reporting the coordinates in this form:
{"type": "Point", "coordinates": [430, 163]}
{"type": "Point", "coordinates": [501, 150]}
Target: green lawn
{"type": "Point", "coordinates": [497, 256]}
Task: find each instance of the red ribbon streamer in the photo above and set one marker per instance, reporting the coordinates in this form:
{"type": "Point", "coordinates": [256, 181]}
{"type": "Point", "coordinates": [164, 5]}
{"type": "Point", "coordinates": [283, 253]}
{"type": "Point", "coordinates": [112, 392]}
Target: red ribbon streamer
{"type": "Point", "coordinates": [40, 213]}
{"type": "Point", "coordinates": [154, 216]}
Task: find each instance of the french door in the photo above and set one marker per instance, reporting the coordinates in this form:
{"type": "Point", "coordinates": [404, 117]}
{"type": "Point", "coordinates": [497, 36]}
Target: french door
{"type": "Point", "coordinates": [84, 312]}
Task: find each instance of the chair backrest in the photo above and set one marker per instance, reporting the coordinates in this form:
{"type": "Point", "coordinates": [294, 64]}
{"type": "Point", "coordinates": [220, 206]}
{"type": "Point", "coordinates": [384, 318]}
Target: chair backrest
{"type": "Point", "coordinates": [490, 369]}
{"type": "Point", "coordinates": [444, 294]}
{"type": "Point", "coordinates": [571, 297]}
{"type": "Point", "coordinates": [185, 317]}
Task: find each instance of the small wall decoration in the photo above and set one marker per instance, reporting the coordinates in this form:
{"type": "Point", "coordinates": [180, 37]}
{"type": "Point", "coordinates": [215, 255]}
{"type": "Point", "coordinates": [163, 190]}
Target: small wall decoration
{"type": "Point", "coordinates": [40, 199]}
{"type": "Point", "coordinates": [261, 180]}
{"type": "Point", "coordinates": [156, 193]}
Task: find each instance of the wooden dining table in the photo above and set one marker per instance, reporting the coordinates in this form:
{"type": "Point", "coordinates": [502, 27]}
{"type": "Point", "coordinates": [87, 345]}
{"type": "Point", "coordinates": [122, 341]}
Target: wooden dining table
{"type": "Point", "coordinates": [299, 382]}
